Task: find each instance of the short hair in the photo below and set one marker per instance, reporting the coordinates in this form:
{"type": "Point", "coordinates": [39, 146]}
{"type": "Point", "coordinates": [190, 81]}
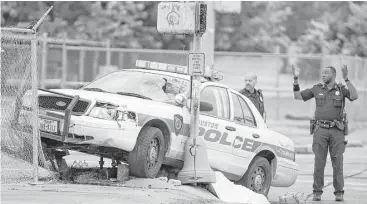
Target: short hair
{"type": "Point", "coordinates": [333, 70]}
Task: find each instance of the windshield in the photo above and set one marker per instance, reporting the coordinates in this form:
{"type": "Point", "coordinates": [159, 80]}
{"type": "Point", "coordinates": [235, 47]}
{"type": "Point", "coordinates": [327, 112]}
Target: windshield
{"type": "Point", "coordinates": [157, 87]}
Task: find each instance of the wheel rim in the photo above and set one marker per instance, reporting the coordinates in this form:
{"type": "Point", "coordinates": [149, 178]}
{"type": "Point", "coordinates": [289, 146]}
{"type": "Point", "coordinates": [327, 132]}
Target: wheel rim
{"type": "Point", "coordinates": [258, 178]}
{"type": "Point", "coordinates": [152, 157]}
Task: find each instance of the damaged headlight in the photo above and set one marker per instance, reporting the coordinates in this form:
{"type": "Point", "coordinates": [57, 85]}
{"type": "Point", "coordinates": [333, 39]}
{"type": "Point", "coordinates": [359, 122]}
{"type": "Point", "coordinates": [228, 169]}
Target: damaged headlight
{"type": "Point", "coordinates": [111, 112]}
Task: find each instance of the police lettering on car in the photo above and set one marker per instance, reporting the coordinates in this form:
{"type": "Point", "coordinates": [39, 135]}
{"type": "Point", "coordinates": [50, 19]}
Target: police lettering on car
{"type": "Point", "coordinates": [329, 125]}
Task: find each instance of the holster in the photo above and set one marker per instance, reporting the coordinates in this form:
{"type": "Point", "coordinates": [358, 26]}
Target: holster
{"type": "Point", "coordinates": [346, 131]}
{"type": "Point", "coordinates": [312, 126]}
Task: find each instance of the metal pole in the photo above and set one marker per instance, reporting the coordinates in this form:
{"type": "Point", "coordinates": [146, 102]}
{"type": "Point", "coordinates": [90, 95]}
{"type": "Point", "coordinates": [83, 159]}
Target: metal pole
{"type": "Point", "coordinates": [81, 64]}
{"type": "Point", "coordinates": [108, 52]}
{"type": "Point", "coordinates": [64, 63]}
{"type": "Point", "coordinates": [44, 60]}
{"type": "Point", "coordinates": [209, 38]}
{"type": "Point", "coordinates": [121, 60]}
{"type": "Point", "coordinates": [277, 79]}
{"type": "Point", "coordinates": [195, 94]}
{"type": "Point", "coordinates": [34, 107]}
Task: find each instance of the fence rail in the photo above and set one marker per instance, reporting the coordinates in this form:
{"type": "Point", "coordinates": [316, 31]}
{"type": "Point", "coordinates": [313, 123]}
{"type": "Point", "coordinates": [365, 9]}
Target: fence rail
{"type": "Point", "coordinates": [67, 63]}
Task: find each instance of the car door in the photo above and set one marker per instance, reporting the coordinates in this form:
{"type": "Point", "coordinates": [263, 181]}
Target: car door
{"type": "Point", "coordinates": [212, 127]}
{"type": "Point", "coordinates": [245, 142]}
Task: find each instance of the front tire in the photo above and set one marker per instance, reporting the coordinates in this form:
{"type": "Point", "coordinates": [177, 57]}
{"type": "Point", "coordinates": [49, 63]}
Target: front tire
{"type": "Point", "coordinates": [258, 176]}
{"type": "Point", "coordinates": [146, 158]}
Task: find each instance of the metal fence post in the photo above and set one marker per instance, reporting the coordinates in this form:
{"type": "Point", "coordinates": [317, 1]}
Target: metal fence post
{"type": "Point", "coordinates": [44, 60]}
{"type": "Point", "coordinates": [121, 60]}
{"type": "Point", "coordinates": [64, 63]}
{"type": "Point", "coordinates": [34, 75]}
{"type": "Point", "coordinates": [95, 64]}
{"type": "Point", "coordinates": [277, 52]}
{"type": "Point", "coordinates": [356, 68]}
{"type": "Point", "coordinates": [81, 64]}
{"type": "Point", "coordinates": [108, 52]}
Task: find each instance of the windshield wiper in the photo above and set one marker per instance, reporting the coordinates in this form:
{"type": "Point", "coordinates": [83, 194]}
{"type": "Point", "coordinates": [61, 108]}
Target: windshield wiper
{"type": "Point", "coordinates": [134, 95]}
{"type": "Point", "coordinates": [95, 89]}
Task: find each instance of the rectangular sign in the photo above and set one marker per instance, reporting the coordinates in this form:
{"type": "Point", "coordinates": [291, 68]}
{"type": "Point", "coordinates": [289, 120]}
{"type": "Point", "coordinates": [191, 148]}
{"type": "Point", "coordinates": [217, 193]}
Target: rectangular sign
{"type": "Point", "coordinates": [196, 63]}
{"type": "Point", "coordinates": [176, 18]}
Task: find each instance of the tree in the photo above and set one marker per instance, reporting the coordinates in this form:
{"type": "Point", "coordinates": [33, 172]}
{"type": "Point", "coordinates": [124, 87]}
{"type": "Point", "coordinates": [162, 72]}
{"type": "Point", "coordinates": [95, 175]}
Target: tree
{"type": "Point", "coordinates": [258, 28]}
{"type": "Point", "coordinates": [343, 29]}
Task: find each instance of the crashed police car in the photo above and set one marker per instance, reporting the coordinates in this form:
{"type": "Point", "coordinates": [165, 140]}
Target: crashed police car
{"type": "Point", "coordinates": [142, 116]}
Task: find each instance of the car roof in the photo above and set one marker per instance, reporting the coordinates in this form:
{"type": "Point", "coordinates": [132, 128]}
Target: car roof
{"type": "Point", "coordinates": [172, 74]}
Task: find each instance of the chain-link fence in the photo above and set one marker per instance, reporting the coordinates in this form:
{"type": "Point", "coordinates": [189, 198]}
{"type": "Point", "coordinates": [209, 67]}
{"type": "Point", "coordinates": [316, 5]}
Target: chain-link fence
{"type": "Point", "coordinates": [20, 144]}
{"type": "Point", "coordinates": [71, 64]}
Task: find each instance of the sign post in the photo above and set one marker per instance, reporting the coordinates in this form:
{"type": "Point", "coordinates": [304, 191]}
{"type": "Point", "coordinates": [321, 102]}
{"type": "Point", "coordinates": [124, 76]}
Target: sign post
{"type": "Point", "coordinates": [190, 18]}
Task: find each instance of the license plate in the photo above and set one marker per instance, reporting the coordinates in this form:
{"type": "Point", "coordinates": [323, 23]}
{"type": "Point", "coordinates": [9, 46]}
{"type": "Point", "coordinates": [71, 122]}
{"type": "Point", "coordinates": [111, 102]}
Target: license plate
{"type": "Point", "coordinates": [48, 125]}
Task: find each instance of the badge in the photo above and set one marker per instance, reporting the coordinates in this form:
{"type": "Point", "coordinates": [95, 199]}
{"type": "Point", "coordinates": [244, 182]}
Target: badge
{"type": "Point", "coordinates": [178, 120]}
{"type": "Point", "coordinates": [337, 93]}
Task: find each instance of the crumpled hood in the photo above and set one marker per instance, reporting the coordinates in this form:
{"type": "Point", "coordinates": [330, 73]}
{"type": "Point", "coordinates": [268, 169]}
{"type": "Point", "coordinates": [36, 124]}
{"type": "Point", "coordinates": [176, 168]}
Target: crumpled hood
{"type": "Point", "coordinates": [132, 103]}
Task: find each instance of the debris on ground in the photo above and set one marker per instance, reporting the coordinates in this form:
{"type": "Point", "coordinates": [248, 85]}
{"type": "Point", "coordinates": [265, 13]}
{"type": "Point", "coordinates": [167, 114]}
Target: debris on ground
{"type": "Point", "coordinates": [174, 182]}
{"type": "Point", "coordinates": [293, 198]}
{"type": "Point", "coordinates": [236, 194]}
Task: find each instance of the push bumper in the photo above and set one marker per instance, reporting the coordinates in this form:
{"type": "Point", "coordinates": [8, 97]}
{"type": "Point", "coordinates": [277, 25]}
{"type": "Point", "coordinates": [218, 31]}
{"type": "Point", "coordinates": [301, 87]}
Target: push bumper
{"type": "Point", "coordinates": [85, 130]}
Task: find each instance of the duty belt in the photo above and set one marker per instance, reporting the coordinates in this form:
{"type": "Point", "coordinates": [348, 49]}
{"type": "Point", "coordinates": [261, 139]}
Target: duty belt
{"type": "Point", "coordinates": [326, 123]}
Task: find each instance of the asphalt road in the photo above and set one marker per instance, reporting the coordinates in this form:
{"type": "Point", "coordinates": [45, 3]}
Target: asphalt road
{"type": "Point", "coordinates": [355, 171]}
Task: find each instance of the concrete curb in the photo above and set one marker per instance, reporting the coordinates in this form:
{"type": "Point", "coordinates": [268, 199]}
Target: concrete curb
{"type": "Point", "coordinates": [307, 149]}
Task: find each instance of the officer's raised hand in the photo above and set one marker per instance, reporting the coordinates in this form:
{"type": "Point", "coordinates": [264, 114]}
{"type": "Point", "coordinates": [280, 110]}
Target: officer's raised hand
{"type": "Point", "coordinates": [345, 72]}
{"type": "Point", "coordinates": [296, 89]}
{"type": "Point", "coordinates": [352, 95]}
{"type": "Point", "coordinates": [296, 71]}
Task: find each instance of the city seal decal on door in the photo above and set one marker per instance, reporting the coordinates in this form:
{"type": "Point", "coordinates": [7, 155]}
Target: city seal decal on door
{"type": "Point", "coordinates": [178, 121]}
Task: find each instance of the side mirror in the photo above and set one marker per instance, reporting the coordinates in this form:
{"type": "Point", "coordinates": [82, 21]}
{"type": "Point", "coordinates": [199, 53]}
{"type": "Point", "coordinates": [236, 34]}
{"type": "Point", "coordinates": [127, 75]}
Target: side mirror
{"type": "Point", "coordinates": [205, 106]}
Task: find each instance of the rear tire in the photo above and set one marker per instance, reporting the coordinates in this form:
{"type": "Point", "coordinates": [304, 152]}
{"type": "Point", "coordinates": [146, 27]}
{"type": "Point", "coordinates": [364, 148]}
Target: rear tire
{"type": "Point", "coordinates": [146, 158]}
{"type": "Point", "coordinates": [258, 176]}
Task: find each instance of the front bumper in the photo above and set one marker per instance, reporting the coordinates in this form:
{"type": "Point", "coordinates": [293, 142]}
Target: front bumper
{"type": "Point", "coordinates": [85, 130]}
{"type": "Point", "coordinates": [286, 175]}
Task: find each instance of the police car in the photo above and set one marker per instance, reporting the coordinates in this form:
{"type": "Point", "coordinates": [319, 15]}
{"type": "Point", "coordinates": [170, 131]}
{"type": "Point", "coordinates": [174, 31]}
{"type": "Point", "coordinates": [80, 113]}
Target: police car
{"type": "Point", "coordinates": [142, 116]}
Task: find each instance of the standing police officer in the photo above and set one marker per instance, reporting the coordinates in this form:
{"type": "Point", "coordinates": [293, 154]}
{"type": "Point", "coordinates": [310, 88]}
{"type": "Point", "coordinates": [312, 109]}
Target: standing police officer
{"type": "Point", "coordinates": [329, 126]}
{"type": "Point", "coordinates": [254, 95]}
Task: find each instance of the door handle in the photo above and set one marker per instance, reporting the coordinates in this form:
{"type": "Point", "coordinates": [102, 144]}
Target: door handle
{"type": "Point", "coordinates": [230, 128]}
{"type": "Point", "coordinates": [255, 135]}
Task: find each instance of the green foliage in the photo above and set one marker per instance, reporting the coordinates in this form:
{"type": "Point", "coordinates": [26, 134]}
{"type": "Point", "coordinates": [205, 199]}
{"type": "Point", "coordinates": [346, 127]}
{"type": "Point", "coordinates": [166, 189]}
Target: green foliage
{"type": "Point", "coordinates": [340, 26]}
{"type": "Point", "coordinates": [343, 29]}
{"type": "Point", "coordinates": [259, 27]}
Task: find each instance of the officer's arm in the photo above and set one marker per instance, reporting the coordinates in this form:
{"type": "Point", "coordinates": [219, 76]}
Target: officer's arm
{"type": "Point", "coordinates": [296, 90]}
{"type": "Point", "coordinates": [304, 95]}
{"type": "Point", "coordinates": [353, 95]}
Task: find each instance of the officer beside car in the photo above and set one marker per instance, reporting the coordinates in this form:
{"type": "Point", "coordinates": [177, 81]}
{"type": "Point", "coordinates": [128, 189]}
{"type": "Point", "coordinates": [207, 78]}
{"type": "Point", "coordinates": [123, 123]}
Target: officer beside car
{"type": "Point", "coordinates": [329, 125]}
{"type": "Point", "coordinates": [254, 95]}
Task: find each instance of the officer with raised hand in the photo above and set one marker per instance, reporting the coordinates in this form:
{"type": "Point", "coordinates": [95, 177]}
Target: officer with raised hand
{"type": "Point", "coordinates": [329, 125]}
{"type": "Point", "coordinates": [254, 95]}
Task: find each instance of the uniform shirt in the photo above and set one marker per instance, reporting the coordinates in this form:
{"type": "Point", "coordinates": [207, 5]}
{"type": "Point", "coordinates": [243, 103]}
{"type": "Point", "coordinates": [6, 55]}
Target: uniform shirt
{"type": "Point", "coordinates": [329, 102]}
{"type": "Point", "coordinates": [256, 98]}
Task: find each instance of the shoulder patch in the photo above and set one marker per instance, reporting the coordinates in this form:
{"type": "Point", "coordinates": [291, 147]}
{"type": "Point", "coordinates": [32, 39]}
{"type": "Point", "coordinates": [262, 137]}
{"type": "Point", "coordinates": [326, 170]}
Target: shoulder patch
{"type": "Point", "coordinates": [319, 84]}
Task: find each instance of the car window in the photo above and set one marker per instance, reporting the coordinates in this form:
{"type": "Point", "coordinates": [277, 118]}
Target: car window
{"type": "Point", "coordinates": [237, 110]}
{"type": "Point", "coordinates": [219, 98]}
{"type": "Point", "coordinates": [158, 87]}
{"type": "Point", "coordinates": [247, 113]}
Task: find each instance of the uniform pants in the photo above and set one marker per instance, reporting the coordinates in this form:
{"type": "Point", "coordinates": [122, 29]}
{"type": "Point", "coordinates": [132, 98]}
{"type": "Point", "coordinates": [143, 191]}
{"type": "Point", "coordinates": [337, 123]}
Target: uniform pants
{"type": "Point", "coordinates": [333, 139]}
